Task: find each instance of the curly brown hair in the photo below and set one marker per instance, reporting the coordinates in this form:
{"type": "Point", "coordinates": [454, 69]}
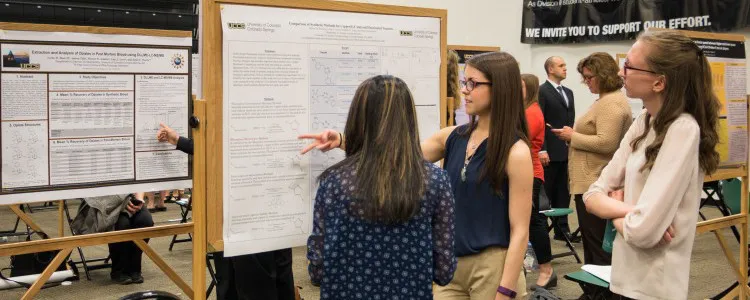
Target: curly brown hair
{"type": "Point", "coordinates": [689, 90]}
{"type": "Point", "coordinates": [604, 68]}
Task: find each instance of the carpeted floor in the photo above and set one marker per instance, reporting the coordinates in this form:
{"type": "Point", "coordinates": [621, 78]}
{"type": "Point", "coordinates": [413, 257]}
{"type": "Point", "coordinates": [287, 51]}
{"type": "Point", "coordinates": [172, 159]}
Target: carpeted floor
{"type": "Point", "coordinates": [710, 272]}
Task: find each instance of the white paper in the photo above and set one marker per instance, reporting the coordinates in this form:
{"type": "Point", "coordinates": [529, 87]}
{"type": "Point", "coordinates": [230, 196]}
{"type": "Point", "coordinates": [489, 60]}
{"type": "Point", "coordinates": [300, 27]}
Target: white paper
{"type": "Point", "coordinates": [71, 112]}
{"type": "Point", "coordinates": [161, 164]}
{"type": "Point", "coordinates": [292, 71]}
{"type": "Point", "coordinates": [24, 97]}
{"type": "Point", "coordinates": [160, 99]}
{"type": "Point", "coordinates": [601, 272]}
{"type": "Point", "coordinates": [24, 166]}
{"type": "Point", "coordinates": [61, 58]}
{"type": "Point", "coordinates": [196, 72]}
{"type": "Point", "coordinates": [91, 160]}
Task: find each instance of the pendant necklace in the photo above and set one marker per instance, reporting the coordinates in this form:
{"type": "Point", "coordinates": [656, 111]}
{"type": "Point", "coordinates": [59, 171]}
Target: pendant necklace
{"type": "Point", "coordinates": [467, 160]}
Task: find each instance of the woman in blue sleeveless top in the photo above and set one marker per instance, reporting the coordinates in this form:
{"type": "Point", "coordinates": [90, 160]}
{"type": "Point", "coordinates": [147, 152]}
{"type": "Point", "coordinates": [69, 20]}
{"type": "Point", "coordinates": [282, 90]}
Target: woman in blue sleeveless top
{"type": "Point", "coordinates": [489, 165]}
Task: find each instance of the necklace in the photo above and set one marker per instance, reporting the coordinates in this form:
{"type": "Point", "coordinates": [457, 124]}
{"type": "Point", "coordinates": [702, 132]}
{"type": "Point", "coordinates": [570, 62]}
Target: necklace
{"type": "Point", "coordinates": [473, 147]}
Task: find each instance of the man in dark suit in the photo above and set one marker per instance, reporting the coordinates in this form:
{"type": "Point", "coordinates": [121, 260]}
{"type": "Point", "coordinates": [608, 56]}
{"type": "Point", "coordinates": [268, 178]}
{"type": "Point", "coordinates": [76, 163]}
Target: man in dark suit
{"type": "Point", "coordinates": [558, 107]}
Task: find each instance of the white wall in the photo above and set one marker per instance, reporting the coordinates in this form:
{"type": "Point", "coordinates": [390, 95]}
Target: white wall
{"type": "Point", "coordinates": [494, 23]}
{"type": "Point", "coordinates": [498, 23]}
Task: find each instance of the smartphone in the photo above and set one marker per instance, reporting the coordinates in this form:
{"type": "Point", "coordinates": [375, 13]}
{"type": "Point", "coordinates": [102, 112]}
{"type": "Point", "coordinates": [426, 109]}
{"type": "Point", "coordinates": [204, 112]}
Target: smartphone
{"type": "Point", "coordinates": [135, 202]}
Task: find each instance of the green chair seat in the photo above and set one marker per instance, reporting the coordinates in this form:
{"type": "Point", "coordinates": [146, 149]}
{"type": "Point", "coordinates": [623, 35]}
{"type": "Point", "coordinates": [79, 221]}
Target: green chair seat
{"type": "Point", "coordinates": [583, 277]}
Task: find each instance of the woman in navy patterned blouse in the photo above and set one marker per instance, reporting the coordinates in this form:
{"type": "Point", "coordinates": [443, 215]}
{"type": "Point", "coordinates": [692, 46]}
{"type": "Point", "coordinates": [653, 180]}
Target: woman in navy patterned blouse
{"type": "Point", "coordinates": [384, 217]}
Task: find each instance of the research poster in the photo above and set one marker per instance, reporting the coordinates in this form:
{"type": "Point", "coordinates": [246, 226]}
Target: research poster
{"type": "Point", "coordinates": [79, 114]}
{"type": "Point", "coordinates": [728, 63]}
{"type": "Point", "coordinates": [292, 71]}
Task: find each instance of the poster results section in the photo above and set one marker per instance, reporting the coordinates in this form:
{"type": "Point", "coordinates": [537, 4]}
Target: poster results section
{"type": "Point", "coordinates": [69, 118]}
{"type": "Point", "coordinates": [287, 72]}
{"type": "Point", "coordinates": [729, 70]}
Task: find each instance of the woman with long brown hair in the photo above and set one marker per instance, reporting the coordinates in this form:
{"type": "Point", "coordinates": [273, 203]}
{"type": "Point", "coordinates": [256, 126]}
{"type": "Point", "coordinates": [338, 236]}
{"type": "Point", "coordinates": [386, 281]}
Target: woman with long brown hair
{"type": "Point", "coordinates": [489, 165]}
{"type": "Point", "coordinates": [383, 221]}
{"type": "Point", "coordinates": [538, 233]}
{"type": "Point", "coordinates": [659, 167]}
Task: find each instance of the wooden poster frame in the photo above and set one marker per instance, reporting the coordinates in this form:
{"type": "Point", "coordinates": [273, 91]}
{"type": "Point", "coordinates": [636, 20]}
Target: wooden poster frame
{"type": "Point", "coordinates": [213, 85]}
{"type": "Point", "coordinates": [451, 102]}
{"type": "Point", "coordinates": [741, 220]}
{"type": "Point", "coordinates": [65, 244]}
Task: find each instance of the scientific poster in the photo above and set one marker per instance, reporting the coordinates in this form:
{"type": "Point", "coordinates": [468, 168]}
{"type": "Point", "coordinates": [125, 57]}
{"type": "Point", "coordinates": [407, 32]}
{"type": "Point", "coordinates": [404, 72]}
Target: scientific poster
{"type": "Point", "coordinates": [79, 117]}
{"type": "Point", "coordinates": [728, 64]}
{"type": "Point", "coordinates": [292, 71]}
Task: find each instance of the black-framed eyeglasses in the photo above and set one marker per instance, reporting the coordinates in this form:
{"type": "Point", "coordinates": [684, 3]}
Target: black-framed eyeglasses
{"type": "Point", "coordinates": [627, 67]}
{"type": "Point", "coordinates": [471, 84]}
{"type": "Point", "coordinates": [588, 77]}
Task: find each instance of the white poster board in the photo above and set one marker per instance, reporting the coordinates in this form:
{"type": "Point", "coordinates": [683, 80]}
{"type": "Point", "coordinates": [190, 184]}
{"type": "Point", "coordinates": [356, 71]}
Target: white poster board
{"type": "Point", "coordinates": [79, 114]}
{"type": "Point", "coordinates": [290, 71]}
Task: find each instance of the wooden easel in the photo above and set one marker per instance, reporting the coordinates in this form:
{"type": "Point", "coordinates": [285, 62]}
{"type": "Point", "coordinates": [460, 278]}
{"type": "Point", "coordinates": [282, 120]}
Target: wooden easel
{"type": "Point", "coordinates": [66, 244]}
{"type": "Point", "coordinates": [208, 173]}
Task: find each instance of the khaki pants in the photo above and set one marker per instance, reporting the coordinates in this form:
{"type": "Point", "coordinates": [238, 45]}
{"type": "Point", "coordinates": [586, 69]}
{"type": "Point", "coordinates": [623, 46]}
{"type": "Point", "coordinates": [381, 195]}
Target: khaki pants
{"type": "Point", "coordinates": [477, 277]}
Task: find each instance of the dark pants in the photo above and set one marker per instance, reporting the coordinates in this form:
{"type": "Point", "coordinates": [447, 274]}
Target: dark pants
{"type": "Point", "coordinates": [260, 276]}
{"type": "Point", "coordinates": [556, 186]}
{"type": "Point", "coordinates": [126, 256]}
{"type": "Point", "coordinates": [619, 297]}
{"type": "Point", "coordinates": [592, 231]}
{"type": "Point", "coordinates": [538, 234]}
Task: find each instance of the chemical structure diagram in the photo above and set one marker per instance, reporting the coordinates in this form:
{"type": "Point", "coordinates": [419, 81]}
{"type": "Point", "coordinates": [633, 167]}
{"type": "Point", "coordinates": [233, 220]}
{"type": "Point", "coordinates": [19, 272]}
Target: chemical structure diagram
{"type": "Point", "coordinates": [320, 96]}
{"type": "Point", "coordinates": [319, 122]}
{"type": "Point", "coordinates": [293, 125]}
{"type": "Point", "coordinates": [322, 72]}
{"type": "Point", "coordinates": [298, 224]}
{"type": "Point", "coordinates": [298, 191]}
{"type": "Point", "coordinates": [297, 162]}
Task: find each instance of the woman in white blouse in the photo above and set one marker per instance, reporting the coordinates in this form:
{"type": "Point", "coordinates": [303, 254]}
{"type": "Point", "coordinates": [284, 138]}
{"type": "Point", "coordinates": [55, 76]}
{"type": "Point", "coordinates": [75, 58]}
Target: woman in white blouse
{"type": "Point", "coordinates": [652, 186]}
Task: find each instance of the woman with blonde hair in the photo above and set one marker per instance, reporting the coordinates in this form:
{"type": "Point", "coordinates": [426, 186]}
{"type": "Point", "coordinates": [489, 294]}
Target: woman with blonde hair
{"type": "Point", "coordinates": [659, 167]}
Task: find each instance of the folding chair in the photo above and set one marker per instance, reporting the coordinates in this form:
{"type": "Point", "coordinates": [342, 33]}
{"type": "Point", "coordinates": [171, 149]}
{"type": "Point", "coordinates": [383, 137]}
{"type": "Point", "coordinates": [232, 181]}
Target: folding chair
{"type": "Point", "coordinates": [185, 207]}
{"type": "Point", "coordinates": [597, 289]}
{"type": "Point", "coordinates": [86, 263]}
{"type": "Point", "coordinates": [715, 191]}
{"type": "Point", "coordinates": [554, 215]}
{"type": "Point", "coordinates": [211, 272]}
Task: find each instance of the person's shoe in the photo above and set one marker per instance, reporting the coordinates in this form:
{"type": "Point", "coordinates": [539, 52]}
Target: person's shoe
{"type": "Point", "coordinates": [161, 208]}
{"type": "Point", "coordinates": [573, 239]}
{"type": "Point", "coordinates": [136, 278]}
{"type": "Point", "coordinates": [120, 278]}
{"type": "Point", "coordinates": [152, 209]}
{"type": "Point", "coordinates": [551, 283]}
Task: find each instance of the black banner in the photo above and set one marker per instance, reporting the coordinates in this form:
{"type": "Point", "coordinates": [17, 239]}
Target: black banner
{"type": "Point", "coordinates": [577, 21]}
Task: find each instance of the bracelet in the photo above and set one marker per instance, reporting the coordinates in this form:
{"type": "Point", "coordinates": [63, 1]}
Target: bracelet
{"type": "Point", "coordinates": [341, 139]}
{"type": "Point", "coordinates": [507, 292]}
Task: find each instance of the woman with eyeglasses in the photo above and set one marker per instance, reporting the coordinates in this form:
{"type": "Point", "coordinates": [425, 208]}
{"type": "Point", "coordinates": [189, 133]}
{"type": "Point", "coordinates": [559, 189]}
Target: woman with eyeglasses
{"type": "Point", "coordinates": [659, 166]}
{"type": "Point", "coordinates": [593, 140]}
{"type": "Point", "coordinates": [489, 166]}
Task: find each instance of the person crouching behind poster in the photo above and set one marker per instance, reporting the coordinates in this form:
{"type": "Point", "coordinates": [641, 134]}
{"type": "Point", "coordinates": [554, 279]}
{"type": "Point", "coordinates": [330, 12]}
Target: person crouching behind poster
{"type": "Point", "coordinates": [266, 275]}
